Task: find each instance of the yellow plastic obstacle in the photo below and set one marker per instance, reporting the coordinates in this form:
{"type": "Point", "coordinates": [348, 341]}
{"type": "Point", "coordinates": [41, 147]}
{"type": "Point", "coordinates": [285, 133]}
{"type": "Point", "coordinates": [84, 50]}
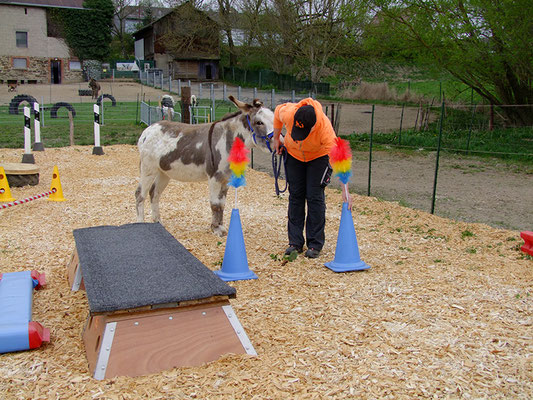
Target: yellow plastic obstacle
{"type": "Point", "coordinates": [56, 184]}
{"type": "Point", "coordinates": [5, 192]}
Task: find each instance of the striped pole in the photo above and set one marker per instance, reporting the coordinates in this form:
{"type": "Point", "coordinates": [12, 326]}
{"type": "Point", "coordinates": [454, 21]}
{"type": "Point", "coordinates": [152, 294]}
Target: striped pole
{"type": "Point", "coordinates": [97, 149]}
{"type": "Point", "coordinates": [38, 145]}
{"type": "Point", "coordinates": [17, 202]}
{"type": "Point", "coordinates": [27, 157]}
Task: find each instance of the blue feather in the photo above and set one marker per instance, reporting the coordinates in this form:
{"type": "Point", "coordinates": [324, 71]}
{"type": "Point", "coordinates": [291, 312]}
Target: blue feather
{"type": "Point", "coordinates": [344, 176]}
{"type": "Point", "coordinates": [236, 181]}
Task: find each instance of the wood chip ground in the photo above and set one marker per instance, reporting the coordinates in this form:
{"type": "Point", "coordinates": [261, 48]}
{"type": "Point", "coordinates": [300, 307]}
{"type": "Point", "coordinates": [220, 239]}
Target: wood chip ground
{"type": "Point", "coordinates": [444, 312]}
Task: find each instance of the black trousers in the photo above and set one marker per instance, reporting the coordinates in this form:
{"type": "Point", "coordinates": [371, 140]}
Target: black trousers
{"type": "Point", "coordinates": [304, 188]}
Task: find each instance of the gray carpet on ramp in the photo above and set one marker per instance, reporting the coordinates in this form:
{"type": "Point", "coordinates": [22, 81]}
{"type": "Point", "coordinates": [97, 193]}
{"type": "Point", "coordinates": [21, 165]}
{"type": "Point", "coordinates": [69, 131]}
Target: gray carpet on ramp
{"type": "Point", "coordinates": [141, 264]}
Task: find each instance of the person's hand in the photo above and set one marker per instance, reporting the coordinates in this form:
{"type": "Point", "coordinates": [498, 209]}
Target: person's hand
{"type": "Point", "coordinates": [277, 145]}
{"type": "Point", "coordinates": [347, 198]}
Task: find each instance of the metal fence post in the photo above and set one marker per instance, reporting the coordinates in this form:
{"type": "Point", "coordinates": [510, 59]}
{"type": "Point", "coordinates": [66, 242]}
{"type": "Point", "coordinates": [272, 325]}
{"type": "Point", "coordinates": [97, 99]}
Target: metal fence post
{"type": "Point", "coordinates": [401, 122]}
{"type": "Point", "coordinates": [293, 96]}
{"type": "Point", "coordinates": [42, 110]}
{"type": "Point", "coordinates": [437, 162]}
{"type": "Point", "coordinates": [370, 151]}
{"type": "Point", "coordinates": [470, 130]}
{"type": "Point", "coordinates": [224, 93]}
{"type": "Point", "coordinates": [239, 93]}
{"type": "Point", "coordinates": [213, 113]}
{"type": "Point", "coordinates": [272, 98]}
{"type": "Point", "coordinates": [255, 93]}
{"type": "Point", "coordinates": [200, 90]}
{"type": "Point", "coordinates": [179, 87]}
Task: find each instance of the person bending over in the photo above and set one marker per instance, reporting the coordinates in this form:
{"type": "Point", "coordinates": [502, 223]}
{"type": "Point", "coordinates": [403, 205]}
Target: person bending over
{"type": "Point", "coordinates": [308, 140]}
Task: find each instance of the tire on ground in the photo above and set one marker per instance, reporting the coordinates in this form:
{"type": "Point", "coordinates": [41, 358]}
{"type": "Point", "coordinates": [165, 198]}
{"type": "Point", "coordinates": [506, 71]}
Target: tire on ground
{"type": "Point", "coordinates": [22, 180]}
{"type": "Point", "coordinates": [53, 110]}
{"type": "Point", "coordinates": [15, 101]}
{"type": "Point", "coordinates": [106, 96]}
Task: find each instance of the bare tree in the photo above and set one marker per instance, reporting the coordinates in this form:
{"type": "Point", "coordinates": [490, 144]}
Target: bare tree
{"type": "Point", "coordinates": [189, 31]}
{"type": "Point", "coordinates": [298, 35]}
{"type": "Point", "coordinates": [227, 17]}
{"type": "Point", "coordinates": [122, 12]}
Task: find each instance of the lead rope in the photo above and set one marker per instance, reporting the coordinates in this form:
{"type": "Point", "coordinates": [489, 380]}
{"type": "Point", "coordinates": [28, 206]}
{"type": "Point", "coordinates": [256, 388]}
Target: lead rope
{"type": "Point", "coordinates": [276, 168]}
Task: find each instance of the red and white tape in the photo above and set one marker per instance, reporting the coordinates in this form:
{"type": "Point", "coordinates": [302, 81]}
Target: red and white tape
{"type": "Point", "coordinates": [17, 202]}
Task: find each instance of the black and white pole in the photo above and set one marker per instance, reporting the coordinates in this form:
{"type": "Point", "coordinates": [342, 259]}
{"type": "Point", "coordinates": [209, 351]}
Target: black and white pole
{"type": "Point", "coordinates": [97, 149]}
{"type": "Point", "coordinates": [27, 157]}
{"type": "Point", "coordinates": [38, 145]}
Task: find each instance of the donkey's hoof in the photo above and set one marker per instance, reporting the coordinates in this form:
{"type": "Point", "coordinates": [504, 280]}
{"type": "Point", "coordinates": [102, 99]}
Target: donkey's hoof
{"type": "Point", "coordinates": [219, 230]}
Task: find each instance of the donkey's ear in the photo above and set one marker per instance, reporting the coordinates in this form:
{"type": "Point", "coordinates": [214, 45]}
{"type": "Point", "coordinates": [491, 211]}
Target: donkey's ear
{"type": "Point", "coordinates": [257, 103]}
{"type": "Point", "coordinates": [242, 106]}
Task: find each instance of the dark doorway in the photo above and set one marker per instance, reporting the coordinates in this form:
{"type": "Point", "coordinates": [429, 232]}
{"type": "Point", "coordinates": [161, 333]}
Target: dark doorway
{"type": "Point", "coordinates": [55, 70]}
{"type": "Point", "coordinates": [208, 72]}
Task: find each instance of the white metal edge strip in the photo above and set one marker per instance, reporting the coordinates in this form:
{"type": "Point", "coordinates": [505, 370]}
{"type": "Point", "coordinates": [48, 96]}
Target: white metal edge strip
{"type": "Point", "coordinates": [77, 279]}
{"type": "Point", "coordinates": [239, 330]}
{"type": "Point", "coordinates": [105, 350]}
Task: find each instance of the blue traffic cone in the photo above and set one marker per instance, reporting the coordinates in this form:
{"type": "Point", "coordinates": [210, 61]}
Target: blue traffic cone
{"type": "Point", "coordinates": [235, 263]}
{"type": "Point", "coordinates": [347, 252]}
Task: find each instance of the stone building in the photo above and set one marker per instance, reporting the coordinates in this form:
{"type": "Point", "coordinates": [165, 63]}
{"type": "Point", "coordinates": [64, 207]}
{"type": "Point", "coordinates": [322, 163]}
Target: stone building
{"type": "Point", "coordinates": [30, 52]}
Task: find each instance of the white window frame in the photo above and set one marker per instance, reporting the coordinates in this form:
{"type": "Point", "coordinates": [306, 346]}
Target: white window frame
{"type": "Point", "coordinates": [71, 68]}
{"type": "Point", "coordinates": [15, 59]}
{"type": "Point", "coordinates": [22, 45]}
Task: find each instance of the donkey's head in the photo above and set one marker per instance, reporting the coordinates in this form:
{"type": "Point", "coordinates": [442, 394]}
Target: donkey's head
{"type": "Point", "coordinates": [259, 120]}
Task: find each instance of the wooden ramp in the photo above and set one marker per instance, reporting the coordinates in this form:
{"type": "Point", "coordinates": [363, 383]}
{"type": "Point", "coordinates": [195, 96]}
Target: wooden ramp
{"type": "Point", "coordinates": [153, 305]}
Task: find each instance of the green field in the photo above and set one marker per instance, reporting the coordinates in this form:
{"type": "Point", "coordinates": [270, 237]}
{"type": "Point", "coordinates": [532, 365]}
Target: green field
{"type": "Point", "coordinates": [119, 124]}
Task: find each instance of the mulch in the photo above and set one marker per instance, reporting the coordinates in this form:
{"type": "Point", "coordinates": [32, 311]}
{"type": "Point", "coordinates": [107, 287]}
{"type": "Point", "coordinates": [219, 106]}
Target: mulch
{"type": "Point", "coordinates": [444, 311]}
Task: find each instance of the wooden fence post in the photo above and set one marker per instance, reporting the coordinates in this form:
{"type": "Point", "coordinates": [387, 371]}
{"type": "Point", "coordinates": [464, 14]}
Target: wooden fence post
{"type": "Point", "coordinates": [185, 104]}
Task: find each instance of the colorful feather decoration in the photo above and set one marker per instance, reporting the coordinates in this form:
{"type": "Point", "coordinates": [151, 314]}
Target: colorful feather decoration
{"type": "Point", "coordinates": [238, 161]}
{"type": "Point", "coordinates": [341, 160]}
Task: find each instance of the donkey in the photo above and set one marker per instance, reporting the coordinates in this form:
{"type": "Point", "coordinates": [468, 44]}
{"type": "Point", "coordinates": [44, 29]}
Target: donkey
{"type": "Point", "coordinates": [190, 153]}
{"type": "Point", "coordinates": [95, 87]}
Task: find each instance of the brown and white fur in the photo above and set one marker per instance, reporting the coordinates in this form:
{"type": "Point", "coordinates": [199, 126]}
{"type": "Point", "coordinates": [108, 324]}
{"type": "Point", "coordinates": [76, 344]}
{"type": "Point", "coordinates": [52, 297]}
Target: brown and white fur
{"type": "Point", "coordinates": [190, 153]}
{"type": "Point", "coordinates": [95, 87]}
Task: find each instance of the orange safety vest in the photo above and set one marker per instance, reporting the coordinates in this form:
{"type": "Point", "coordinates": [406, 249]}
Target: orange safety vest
{"type": "Point", "coordinates": [320, 140]}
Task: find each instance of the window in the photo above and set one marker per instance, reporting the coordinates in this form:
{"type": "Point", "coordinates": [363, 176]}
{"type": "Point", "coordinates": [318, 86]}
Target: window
{"type": "Point", "coordinates": [20, 63]}
{"type": "Point", "coordinates": [22, 39]}
{"type": "Point", "coordinates": [74, 65]}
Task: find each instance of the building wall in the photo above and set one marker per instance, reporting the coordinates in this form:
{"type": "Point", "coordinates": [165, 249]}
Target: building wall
{"type": "Point", "coordinates": [40, 50]}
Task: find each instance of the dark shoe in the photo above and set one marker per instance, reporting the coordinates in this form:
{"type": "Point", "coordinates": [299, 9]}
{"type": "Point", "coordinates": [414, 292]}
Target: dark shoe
{"type": "Point", "coordinates": [312, 253]}
{"type": "Point", "coordinates": [292, 248]}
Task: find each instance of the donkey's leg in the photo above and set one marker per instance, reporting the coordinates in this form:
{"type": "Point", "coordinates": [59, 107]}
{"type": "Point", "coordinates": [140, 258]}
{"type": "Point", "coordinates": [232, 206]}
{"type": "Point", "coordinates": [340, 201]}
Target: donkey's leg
{"type": "Point", "coordinates": [157, 188]}
{"type": "Point", "coordinates": [145, 183]}
{"type": "Point", "coordinates": [217, 197]}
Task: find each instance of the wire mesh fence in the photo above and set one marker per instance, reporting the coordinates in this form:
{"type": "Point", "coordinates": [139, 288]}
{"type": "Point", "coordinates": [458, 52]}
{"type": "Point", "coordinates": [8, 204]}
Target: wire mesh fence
{"type": "Point", "coordinates": [483, 170]}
